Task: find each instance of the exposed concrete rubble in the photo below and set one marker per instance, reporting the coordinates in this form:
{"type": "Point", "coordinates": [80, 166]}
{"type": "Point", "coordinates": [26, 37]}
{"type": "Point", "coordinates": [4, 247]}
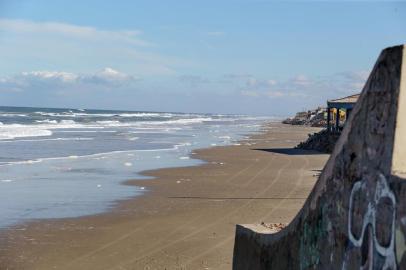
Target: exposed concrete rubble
{"type": "Point", "coordinates": [355, 217]}
{"type": "Point", "coordinates": [322, 141]}
{"type": "Point", "coordinates": [274, 227]}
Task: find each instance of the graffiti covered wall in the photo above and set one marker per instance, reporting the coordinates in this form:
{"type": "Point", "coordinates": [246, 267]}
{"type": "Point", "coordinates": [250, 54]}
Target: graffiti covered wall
{"type": "Point", "coordinates": [355, 217]}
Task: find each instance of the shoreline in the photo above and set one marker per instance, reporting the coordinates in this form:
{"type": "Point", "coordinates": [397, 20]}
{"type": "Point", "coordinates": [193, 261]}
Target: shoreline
{"type": "Point", "coordinates": [181, 205]}
{"type": "Point", "coordinates": [140, 175]}
{"type": "Point", "coordinates": [102, 193]}
{"type": "Point", "coordinates": [193, 155]}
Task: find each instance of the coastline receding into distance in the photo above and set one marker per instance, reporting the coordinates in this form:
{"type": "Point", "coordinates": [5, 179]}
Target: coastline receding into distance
{"type": "Point", "coordinates": [72, 162]}
{"type": "Point", "coordinates": [188, 213]}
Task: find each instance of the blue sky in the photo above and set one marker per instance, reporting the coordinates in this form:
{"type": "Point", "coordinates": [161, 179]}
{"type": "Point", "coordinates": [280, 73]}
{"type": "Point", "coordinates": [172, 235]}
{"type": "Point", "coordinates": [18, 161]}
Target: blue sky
{"type": "Point", "coordinates": [250, 57]}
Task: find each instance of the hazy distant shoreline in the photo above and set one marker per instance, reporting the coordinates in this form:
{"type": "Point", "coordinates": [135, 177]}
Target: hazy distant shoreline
{"type": "Point", "coordinates": [45, 151]}
{"type": "Point", "coordinates": [185, 207]}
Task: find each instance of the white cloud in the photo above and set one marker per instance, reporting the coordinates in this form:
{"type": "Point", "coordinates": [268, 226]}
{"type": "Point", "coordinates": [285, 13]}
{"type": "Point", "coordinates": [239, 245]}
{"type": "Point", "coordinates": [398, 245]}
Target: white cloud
{"type": "Point", "coordinates": [302, 86]}
{"type": "Point", "coordinates": [53, 45]}
{"type": "Point", "coordinates": [57, 80]}
{"type": "Point", "coordinates": [108, 76]}
{"type": "Point", "coordinates": [72, 31]}
{"type": "Point", "coordinates": [361, 75]}
{"type": "Point", "coordinates": [250, 81]}
{"type": "Point", "coordinates": [309, 89]}
{"type": "Point", "coordinates": [301, 80]}
{"type": "Point", "coordinates": [353, 80]}
{"type": "Point", "coordinates": [49, 75]}
{"type": "Point", "coordinates": [271, 82]}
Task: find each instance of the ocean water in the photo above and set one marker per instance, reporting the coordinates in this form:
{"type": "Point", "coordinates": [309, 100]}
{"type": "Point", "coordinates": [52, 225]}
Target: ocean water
{"type": "Point", "coordinates": [57, 163]}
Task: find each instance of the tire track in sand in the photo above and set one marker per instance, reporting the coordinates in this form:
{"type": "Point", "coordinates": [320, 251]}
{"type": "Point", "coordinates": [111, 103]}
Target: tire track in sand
{"type": "Point", "coordinates": [278, 174]}
{"type": "Point", "coordinates": [228, 239]}
{"type": "Point", "coordinates": [129, 234]}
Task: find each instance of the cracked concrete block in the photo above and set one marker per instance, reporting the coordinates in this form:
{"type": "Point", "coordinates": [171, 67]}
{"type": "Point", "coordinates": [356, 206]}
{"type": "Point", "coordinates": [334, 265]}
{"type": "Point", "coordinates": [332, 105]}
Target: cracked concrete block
{"type": "Point", "coordinates": [355, 217]}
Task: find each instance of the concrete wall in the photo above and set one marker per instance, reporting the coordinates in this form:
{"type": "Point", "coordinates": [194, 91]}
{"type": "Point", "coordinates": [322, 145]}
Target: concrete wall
{"type": "Point", "coordinates": [355, 217]}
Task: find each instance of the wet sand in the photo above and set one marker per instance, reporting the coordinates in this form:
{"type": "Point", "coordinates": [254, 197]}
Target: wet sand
{"type": "Point", "coordinates": [187, 218]}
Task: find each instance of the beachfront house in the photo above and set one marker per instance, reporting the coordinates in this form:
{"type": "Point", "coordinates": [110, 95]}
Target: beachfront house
{"type": "Point", "coordinates": [338, 111]}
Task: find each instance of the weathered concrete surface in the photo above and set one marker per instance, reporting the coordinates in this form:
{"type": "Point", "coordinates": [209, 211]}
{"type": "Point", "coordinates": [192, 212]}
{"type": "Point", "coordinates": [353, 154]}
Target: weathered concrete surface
{"type": "Point", "coordinates": [355, 217]}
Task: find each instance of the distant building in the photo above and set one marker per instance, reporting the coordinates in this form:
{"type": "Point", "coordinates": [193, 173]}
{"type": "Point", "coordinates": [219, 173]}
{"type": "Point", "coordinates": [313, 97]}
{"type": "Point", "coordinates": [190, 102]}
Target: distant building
{"type": "Point", "coordinates": [338, 110]}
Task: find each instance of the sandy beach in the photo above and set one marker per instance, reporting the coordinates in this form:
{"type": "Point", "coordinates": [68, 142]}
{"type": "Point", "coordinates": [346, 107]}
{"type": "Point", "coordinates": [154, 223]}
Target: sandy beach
{"type": "Point", "coordinates": [187, 218]}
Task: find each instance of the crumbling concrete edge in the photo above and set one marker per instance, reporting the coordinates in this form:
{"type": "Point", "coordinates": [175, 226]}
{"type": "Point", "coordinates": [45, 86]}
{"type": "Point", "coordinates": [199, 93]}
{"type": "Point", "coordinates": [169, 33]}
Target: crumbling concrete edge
{"type": "Point", "coordinates": [258, 248]}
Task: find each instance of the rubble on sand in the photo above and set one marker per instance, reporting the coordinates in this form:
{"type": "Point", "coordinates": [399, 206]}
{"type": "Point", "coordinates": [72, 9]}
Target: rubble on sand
{"type": "Point", "coordinates": [274, 227]}
{"type": "Point", "coordinates": [322, 141]}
